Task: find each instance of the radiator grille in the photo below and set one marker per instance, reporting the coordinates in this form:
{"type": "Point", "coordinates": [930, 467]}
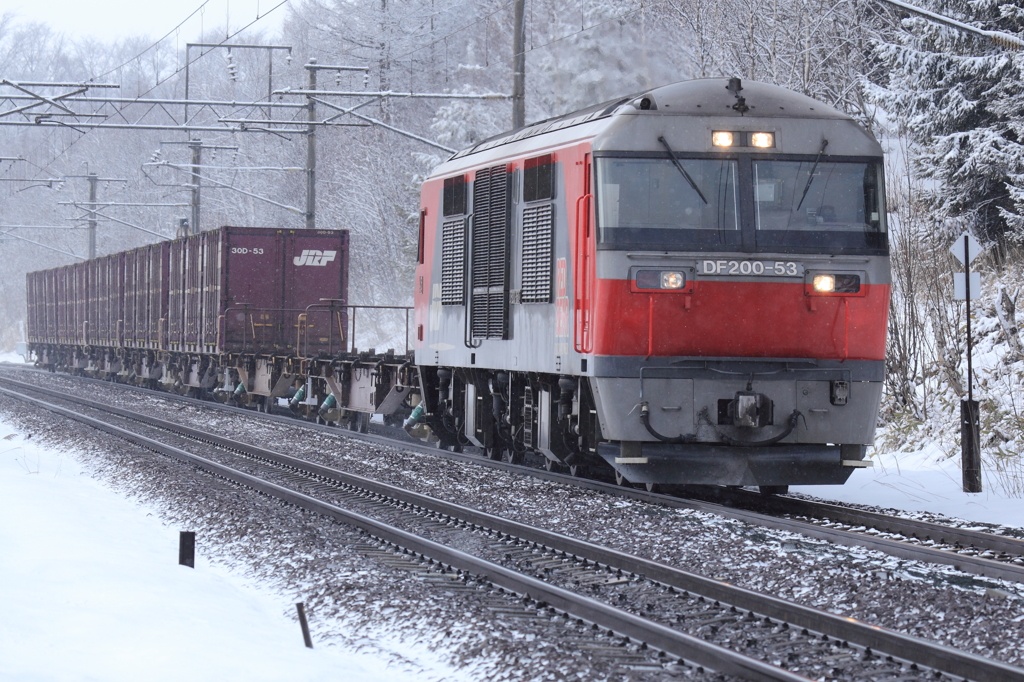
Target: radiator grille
{"type": "Point", "coordinates": [489, 254]}
{"type": "Point", "coordinates": [453, 262]}
{"type": "Point", "coordinates": [538, 245]}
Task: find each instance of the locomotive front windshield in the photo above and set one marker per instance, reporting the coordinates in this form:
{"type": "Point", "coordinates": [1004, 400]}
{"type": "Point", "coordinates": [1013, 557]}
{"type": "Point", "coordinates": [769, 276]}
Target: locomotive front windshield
{"type": "Point", "coordinates": [826, 205]}
{"type": "Point", "coordinates": [799, 204]}
{"type": "Point", "coordinates": [643, 200]}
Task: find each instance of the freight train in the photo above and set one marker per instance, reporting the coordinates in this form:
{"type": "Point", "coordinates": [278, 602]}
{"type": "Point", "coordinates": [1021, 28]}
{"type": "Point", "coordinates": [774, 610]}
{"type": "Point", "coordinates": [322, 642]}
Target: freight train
{"type": "Point", "coordinates": [250, 315]}
{"type": "Point", "coordinates": [689, 285]}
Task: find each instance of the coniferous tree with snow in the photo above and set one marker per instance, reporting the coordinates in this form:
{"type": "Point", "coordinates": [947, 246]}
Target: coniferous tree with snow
{"type": "Point", "coordinates": [960, 99]}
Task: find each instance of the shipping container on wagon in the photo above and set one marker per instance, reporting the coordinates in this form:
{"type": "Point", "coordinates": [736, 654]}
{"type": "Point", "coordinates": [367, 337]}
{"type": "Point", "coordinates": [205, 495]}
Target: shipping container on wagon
{"type": "Point", "coordinates": [157, 282]}
{"type": "Point", "coordinates": [230, 290]}
{"type": "Point", "coordinates": [176, 295]}
{"type": "Point", "coordinates": [81, 276]}
{"type": "Point", "coordinates": [91, 324]}
{"type": "Point", "coordinates": [50, 289]}
{"type": "Point", "coordinates": [261, 289]}
{"type": "Point", "coordinates": [65, 305]}
{"type": "Point", "coordinates": [113, 330]}
{"type": "Point", "coordinates": [135, 298]}
{"type": "Point", "coordinates": [35, 297]}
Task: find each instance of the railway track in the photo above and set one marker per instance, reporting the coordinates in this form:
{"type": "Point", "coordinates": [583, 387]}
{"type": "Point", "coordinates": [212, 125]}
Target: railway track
{"type": "Point", "coordinates": [707, 622]}
{"type": "Point", "coordinates": [970, 551]}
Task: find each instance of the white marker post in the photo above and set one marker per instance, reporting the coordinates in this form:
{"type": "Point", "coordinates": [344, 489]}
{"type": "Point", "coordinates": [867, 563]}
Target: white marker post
{"type": "Point", "coordinates": [967, 286]}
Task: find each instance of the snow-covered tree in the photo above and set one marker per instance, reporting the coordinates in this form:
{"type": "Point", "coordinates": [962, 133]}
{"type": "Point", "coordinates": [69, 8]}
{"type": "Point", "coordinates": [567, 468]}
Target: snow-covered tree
{"type": "Point", "coordinates": [960, 100]}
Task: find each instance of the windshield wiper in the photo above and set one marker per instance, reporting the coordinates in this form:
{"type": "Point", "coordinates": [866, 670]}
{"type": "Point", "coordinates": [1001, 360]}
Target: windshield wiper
{"type": "Point", "coordinates": [810, 178]}
{"type": "Point", "coordinates": [679, 167]}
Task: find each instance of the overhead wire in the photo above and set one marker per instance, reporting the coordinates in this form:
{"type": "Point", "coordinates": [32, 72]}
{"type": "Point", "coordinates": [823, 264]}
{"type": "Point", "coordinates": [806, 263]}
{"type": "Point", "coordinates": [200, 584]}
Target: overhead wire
{"type": "Point", "coordinates": [168, 76]}
{"type": "Point", "coordinates": [165, 37]}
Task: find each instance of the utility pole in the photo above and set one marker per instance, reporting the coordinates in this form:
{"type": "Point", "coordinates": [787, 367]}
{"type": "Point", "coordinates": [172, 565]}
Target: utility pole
{"type": "Point", "coordinates": [311, 150]}
{"type": "Point", "coordinates": [93, 179]}
{"type": "Point", "coordinates": [312, 67]}
{"type": "Point", "coordinates": [197, 160]}
{"type": "Point", "coordinates": [519, 65]}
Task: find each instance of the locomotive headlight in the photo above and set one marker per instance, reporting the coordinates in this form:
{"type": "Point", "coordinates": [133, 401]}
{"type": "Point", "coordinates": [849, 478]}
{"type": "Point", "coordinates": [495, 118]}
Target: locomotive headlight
{"type": "Point", "coordinates": [721, 138]}
{"type": "Point", "coordinates": [824, 284]}
{"type": "Point", "coordinates": [672, 280]}
{"type": "Point", "coordinates": [660, 280]}
{"type": "Point", "coordinates": [836, 284]}
{"type": "Point", "coordinates": [763, 140]}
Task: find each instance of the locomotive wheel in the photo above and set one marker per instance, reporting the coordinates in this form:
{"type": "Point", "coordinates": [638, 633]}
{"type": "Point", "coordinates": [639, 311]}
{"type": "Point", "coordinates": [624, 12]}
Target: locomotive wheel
{"type": "Point", "coordinates": [494, 453]}
{"type": "Point", "coordinates": [653, 488]}
{"type": "Point", "coordinates": [578, 470]}
{"type": "Point", "coordinates": [362, 422]}
{"type": "Point", "coordinates": [620, 479]}
{"type": "Point", "coordinates": [552, 466]}
{"type": "Point", "coordinates": [513, 457]}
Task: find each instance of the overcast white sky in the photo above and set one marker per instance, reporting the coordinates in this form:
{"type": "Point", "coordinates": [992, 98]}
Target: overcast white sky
{"type": "Point", "coordinates": [112, 19]}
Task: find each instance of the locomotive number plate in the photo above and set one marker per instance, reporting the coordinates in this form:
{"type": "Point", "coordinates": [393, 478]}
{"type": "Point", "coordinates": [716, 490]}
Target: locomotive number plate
{"type": "Point", "coordinates": [751, 268]}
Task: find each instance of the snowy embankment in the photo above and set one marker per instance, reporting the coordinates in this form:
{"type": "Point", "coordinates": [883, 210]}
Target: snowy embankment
{"type": "Point", "coordinates": [91, 590]}
{"type": "Point", "coordinates": [924, 481]}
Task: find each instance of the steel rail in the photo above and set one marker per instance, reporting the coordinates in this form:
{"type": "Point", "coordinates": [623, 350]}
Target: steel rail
{"type": "Point", "coordinates": [920, 651]}
{"type": "Point", "coordinates": [686, 647]}
{"type": "Point", "coordinates": [911, 528]}
{"type": "Point", "coordinates": [968, 564]}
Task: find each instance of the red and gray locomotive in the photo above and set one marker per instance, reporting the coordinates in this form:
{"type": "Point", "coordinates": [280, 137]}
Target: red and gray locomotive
{"type": "Point", "coordinates": [690, 285]}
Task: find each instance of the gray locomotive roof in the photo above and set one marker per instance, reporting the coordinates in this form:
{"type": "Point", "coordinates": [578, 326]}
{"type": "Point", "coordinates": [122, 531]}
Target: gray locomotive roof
{"type": "Point", "coordinates": [711, 97]}
{"type": "Point", "coordinates": [703, 97]}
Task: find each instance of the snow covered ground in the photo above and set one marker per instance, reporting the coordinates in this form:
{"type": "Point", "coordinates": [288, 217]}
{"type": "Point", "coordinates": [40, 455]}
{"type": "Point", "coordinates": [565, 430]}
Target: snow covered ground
{"type": "Point", "coordinates": [90, 590]}
{"type": "Point", "coordinates": [13, 358]}
{"type": "Point", "coordinates": [925, 481]}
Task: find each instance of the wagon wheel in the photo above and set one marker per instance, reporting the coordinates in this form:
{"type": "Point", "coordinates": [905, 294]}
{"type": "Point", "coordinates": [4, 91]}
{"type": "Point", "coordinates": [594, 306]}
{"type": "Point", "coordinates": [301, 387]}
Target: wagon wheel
{"type": "Point", "coordinates": [620, 479]}
{"type": "Point", "coordinates": [494, 452]}
{"type": "Point", "coordinates": [449, 445]}
{"type": "Point", "coordinates": [513, 457]}
{"type": "Point", "coordinates": [654, 487]}
{"type": "Point", "coordinates": [360, 422]}
{"type": "Point", "coordinates": [578, 470]}
{"type": "Point", "coordinates": [551, 465]}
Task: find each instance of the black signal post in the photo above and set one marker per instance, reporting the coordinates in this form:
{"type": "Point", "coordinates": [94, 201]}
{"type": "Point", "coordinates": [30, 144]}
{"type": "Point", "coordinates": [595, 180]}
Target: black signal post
{"type": "Point", "coordinates": [970, 427]}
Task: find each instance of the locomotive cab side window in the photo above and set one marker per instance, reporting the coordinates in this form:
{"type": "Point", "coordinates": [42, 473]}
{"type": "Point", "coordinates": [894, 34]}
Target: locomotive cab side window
{"type": "Point", "coordinates": [454, 198]}
{"type": "Point", "coordinates": [539, 178]}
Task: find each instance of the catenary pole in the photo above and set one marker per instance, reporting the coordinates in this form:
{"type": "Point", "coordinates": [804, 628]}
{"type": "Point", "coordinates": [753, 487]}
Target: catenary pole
{"type": "Point", "coordinates": [93, 179]}
{"type": "Point", "coordinates": [311, 151]}
{"type": "Point", "coordinates": [197, 161]}
{"type": "Point", "coordinates": [519, 65]}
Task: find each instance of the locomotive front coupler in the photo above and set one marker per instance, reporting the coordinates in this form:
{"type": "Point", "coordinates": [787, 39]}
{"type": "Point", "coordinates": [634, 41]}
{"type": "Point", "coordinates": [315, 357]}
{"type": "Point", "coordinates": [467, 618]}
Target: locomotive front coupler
{"type": "Point", "coordinates": [752, 410]}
